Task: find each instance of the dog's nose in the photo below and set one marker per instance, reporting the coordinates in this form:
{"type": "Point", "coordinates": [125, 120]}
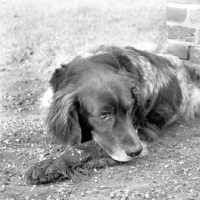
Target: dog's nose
{"type": "Point", "coordinates": [133, 152]}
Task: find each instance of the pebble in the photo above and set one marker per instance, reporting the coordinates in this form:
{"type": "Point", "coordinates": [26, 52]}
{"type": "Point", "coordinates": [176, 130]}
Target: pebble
{"type": "Point", "coordinates": [176, 182]}
{"type": "Point", "coordinates": [112, 195]}
{"type": "Point", "coordinates": [176, 188]}
{"type": "Point", "coordinates": [174, 144]}
{"type": "Point", "coordinates": [195, 194]}
{"type": "Point", "coordinates": [82, 194]}
{"type": "Point", "coordinates": [181, 162]}
{"type": "Point", "coordinates": [146, 196]}
{"type": "Point", "coordinates": [2, 188]}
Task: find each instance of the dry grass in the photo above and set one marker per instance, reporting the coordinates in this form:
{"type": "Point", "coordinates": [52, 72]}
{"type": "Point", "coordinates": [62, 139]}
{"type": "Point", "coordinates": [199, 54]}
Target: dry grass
{"type": "Point", "coordinates": [43, 34]}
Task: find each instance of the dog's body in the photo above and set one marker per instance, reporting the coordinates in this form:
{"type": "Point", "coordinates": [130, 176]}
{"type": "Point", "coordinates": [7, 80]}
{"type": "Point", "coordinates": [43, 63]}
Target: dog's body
{"type": "Point", "coordinates": [114, 94]}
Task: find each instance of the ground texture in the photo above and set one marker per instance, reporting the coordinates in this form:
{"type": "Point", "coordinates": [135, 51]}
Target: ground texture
{"type": "Point", "coordinates": [35, 37]}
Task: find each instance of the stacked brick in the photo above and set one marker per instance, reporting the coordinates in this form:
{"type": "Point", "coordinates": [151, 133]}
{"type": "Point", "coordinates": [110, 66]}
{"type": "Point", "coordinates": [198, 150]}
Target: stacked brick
{"type": "Point", "coordinates": [183, 23]}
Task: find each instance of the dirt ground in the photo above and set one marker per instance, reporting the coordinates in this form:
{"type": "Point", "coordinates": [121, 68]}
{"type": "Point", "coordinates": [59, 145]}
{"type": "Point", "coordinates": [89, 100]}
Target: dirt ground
{"type": "Point", "coordinates": [35, 39]}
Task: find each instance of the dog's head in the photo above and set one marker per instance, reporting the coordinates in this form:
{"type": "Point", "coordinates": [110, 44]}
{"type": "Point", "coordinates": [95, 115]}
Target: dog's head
{"type": "Point", "coordinates": [95, 99]}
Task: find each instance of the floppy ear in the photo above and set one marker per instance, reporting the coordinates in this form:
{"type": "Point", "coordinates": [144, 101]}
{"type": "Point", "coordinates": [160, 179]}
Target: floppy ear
{"type": "Point", "coordinates": [58, 79]}
{"type": "Point", "coordinates": [139, 108]}
{"type": "Point", "coordinates": [62, 120]}
{"type": "Point", "coordinates": [146, 131]}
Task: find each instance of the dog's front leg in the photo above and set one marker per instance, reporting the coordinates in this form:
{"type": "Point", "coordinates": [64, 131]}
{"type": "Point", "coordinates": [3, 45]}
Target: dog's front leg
{"type": "Point", "coordinates": [75, 163]}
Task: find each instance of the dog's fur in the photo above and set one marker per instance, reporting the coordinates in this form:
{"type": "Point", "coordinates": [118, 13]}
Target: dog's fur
{"type": "Point", "coordinates": [113, 95]}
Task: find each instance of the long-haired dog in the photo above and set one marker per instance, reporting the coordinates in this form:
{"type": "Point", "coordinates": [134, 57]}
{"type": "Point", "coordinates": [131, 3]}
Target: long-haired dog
{"type": "Point", "coordinates": [104, 102]}
{"type": "Point", "coordinates": [116, 96]}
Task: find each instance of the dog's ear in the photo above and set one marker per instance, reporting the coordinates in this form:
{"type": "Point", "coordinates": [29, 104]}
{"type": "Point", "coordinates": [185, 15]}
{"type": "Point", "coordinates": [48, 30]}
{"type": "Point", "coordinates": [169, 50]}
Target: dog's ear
{"type": "Point", "coordinates": [62, 120]}
{"type": "Point", "coordinates": [139, 107]}
{"type": "Point", "coordinates": [146, 131]}
{"type": "Point", "coordinates": [58, 79]}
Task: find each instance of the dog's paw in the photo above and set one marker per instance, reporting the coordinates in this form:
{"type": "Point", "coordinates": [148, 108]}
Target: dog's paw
{"type": "Point", "coordinates": [46, 171]}
{"type": "Point", "coordinates": [99, 163]}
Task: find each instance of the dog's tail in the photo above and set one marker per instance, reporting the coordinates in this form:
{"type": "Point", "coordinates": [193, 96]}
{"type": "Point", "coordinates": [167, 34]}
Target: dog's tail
{"type": "Point", "coordinates": [193, 105]}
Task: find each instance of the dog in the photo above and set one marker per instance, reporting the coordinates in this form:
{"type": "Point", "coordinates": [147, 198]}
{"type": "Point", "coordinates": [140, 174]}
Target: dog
{"type": "Point", "coordinates": [118, 97]}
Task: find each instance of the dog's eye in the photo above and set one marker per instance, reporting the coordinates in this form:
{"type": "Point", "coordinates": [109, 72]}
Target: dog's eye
{"type": "Point", "coordinates": [106, 113]}
{"type": "Point", "coordinates": [103, 116]}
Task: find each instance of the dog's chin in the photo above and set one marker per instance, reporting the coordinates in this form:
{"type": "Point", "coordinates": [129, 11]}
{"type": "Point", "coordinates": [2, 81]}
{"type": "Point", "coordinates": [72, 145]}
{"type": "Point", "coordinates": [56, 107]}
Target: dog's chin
{"type": "Point", "coordinates": [121, 157]}
{"type": "Point", "coordinates": [117, 153]}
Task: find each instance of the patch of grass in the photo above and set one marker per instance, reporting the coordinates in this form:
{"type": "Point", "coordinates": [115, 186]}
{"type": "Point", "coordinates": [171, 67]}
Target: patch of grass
{"type": "Point", "coordinates": [43, 34]}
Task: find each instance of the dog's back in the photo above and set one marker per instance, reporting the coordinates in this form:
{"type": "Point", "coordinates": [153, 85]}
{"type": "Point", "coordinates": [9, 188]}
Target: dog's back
{"type": "Point", "coordinates": [192, 88]}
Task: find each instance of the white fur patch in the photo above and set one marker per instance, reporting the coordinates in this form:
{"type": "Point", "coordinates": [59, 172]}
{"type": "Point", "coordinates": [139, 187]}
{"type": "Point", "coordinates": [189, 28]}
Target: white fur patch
{"type": "Point", "coordinates": [46, 100]}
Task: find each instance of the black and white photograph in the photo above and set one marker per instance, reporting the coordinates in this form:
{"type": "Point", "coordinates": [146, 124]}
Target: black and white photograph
{"type": "Point", "coordinates": [100, 100]}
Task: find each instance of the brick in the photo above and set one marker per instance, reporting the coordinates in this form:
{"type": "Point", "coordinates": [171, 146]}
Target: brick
{"type": "Point", "coordinates": [179, 50]}
{"type": "Point", "coordinates": [194, 54]}
{"type": "Point", "coordinates": [185, 1]}
{"type": "Point", "coordinates": [195, 16]}
{"type": "Point", "coordinates": [176, 14]}
{"type": "Point", "coordinates": [182, 33]}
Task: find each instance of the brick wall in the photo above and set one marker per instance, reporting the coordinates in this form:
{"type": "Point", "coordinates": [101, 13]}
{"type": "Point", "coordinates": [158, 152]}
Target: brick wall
{"type": "Point", "coordinates": [183, 23]}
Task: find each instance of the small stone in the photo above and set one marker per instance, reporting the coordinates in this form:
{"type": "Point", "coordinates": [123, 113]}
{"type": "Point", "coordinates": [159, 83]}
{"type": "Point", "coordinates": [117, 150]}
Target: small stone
{"type": "Point", "coordinates": [167, 178]}
{"type": "Point", "coordinates": [146, 195]}
{"type": "Point", "coordinates": [195, 194]}
{"type": "Point", "coordinates": [2, 188]}
{"type": "Point", "coordinates": [112, 195]}
{"type": "Point", "coordinates": [137, 193]}
{"type": "Point", "coordinates": [176, 182]}
{"type": "Point", "coordinates": [176, 188]}
{"type": "Point", "coordinates": [191, 190]}
{"type": "Point", "coordinates": [181, 162]}
{"type": "Point", "coordinates": [174, 144]}
{"type": "Point", "coordinates": [82, 194]}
